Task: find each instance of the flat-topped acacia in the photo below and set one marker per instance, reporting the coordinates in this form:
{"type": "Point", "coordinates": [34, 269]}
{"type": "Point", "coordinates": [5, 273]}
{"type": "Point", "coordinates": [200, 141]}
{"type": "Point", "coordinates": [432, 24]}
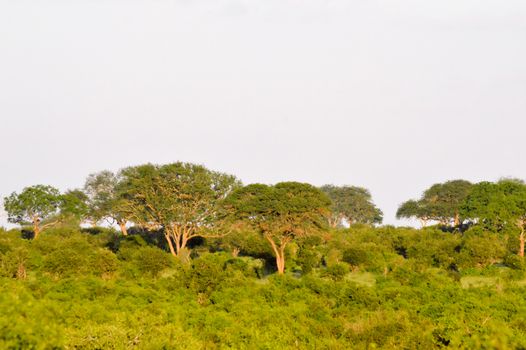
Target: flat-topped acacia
{"type": "Point", "coordinates": [281, 213]}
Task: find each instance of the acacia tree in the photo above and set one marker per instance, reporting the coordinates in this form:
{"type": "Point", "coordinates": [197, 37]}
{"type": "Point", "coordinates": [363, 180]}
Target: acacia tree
{"type": "Point", "coordinates": [36, 205]}
{"type": "Point", "coordinates": [281, 213]}
{"type": "Point", "coordinates": [105, 201]}
{"type": "Point", "coordinates": [441, 202]}
{"type": "Point", "coordinates": [414, 209]}
{"type": "Point", "coordinates": [445, 199]}
{"type": "Point", "coordinates": [497, 205]}
{"type": "Point", "coordinates": [183, 199]}
{"type": "Point", "coordinates": [353, 204]}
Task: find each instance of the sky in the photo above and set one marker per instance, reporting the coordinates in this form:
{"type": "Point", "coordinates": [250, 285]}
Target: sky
{"type": "Point", "coordinates": [392, 95]}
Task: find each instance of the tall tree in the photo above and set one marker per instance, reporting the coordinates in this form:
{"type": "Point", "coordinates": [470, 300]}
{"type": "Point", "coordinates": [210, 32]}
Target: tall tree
{"type": "Point", "coordinates": [497, 205]}
{"type": "Point", "coordinates": [281, 213]}
{"type": "Point", "coordinates": [183, 199]}
{"type": "Point", "coordinates": [36, 205]}
{"type": "Point", "coordinates": [353, 204]}
{"type": "Point", "coordinates": [105, 201]}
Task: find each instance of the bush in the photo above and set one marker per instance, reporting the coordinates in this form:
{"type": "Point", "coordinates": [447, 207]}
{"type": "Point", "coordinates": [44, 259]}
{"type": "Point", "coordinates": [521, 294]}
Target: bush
{"type": "Point", "coordinates": [481, 250]}
{"type": "Point", "coordinates": [308, 259]}
{"type": "Point", "coordinates": [144, 260]}
{"type": "Point", "coordinates": [337, 271]}
{"type": "Point", "coordinates": [13, 263]}
{"type": "Point", "coordinates": [355, 256]}
{"type": "Point", "coordinates": [69, 262]}
{"type": "Point", "coordinates": [515, 262]}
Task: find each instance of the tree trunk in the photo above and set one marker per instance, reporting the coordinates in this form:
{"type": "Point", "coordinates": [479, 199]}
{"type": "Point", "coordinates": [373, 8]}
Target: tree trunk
{"type": "Point", "coordinates": [36, 229]}
{"type": "Point", "coordinates": [170, 245]}
{"type": "Point", "coordinates": [279, 252]}
{"type": "Point", "coordinates": [521, 238]}
{"type": "Point", "coordinates": [457, 219]}
{"type": "Point", "coordinates": [235, 252]}
{"type": "Point", "coordinates": [124, 230]}
{"type": "Point", "coordinates": [280, 259]}
{"type": "Point", "coordinates": [333, 221]}
{"type": "Point", "coordinates": [280, 262]}
{"type": "Point", "coordinates": [184, 239]}
{"type": "Point", "coordinates": [178, 247]}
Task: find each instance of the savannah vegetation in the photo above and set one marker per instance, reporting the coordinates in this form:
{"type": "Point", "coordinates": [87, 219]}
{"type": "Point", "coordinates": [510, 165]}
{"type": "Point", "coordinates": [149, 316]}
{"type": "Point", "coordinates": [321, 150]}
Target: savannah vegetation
{"type": "Point", "coordinates": [178, 256]}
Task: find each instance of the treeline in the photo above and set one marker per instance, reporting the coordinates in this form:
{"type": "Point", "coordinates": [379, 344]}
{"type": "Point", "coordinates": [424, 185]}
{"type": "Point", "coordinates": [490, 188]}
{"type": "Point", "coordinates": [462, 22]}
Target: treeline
{"type": "Point", "coordinates": [186, 202]}
{"type": "Point", "coordinates": [192, 266]}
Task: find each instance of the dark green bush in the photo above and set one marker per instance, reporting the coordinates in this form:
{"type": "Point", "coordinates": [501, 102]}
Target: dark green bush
{"type": "Point", "coordinates": [337, 271]}
{"type": "Point", "coordinates": [355, 256]}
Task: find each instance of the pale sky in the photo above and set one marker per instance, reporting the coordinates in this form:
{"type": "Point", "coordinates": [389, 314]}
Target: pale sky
{"type": "Point", "coordinates": [390, 95]}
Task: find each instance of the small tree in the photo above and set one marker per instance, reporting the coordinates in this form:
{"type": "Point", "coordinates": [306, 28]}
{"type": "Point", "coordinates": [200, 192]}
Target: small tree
{"type": "Point", "coordinates": [281, 213]}
{"type": "Point", "coordinates": [353, 204]}
{"type": "Point", "coordinates": [445, 199]}
{"type": "Point", "coordinates": [440, 202]}
{"type": "Point", "coordinates": [414, 209]}
{"type": "Point", "coordinates": [36, 205]}
{"type": "Point", "coordinates": [105, 201]}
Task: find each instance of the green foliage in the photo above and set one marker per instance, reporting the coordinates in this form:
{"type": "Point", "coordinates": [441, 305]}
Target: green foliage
{"type": "Point", "coordinates": [441, 202]}
{"type": "Point", "coordinates": [481, 250]}
{"type": "Point", "coordinates": [281, 213]}
{"type": "Point", "coordinates": [353, 204]}
{"type": "Point", "coordinates": [183, 199]}
{"type": "Point", "coordinates": [355, 256]}
{"type": "Point", "coordinates": [337, 271]}
{"type": "Point", "coordinates": [142, 259]}
{"type": "Point", "coordinates": [71, 256]}
{"type": "Point", "coordinates": [77, 293]}
{"type": "Point", "coordinates": [33, 204]}
{"type": "Point", "coordinates": [364, 287]}
{"type": "Point", "coordinates": [74, 206]}
{"type": "Point", "coordinates": [514, 262]}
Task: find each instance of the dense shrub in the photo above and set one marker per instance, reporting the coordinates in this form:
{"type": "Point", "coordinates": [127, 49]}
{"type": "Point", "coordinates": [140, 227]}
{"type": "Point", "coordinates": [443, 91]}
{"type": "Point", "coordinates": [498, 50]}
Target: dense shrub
{"type": "Point", "coordinates": [337, 271]}
{"type": "Point", "coordinates": [144, 260]}
{"type": "Point", "coordinates": [515, 262]}
{"type": "Point", "coordinates": [480, 249]}
{"type": "Point", "coordinates": [356, 256]}
{"type": "Point", "coordinates": [95, 290]}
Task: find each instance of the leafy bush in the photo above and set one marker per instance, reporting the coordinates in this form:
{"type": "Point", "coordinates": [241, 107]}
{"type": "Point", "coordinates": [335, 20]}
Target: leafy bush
{"type": "Point", "coordinates": [480, 250]}
{"type": "Point", "coordinates": [515, 262]}
{"type": "Point", "coordinates": [337, 271]}
{"type": "Point", "coordinates": [356, 256]}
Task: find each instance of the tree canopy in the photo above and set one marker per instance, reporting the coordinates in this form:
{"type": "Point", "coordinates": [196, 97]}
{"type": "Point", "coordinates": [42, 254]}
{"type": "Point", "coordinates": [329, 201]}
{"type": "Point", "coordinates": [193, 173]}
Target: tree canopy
{"type": "Point", "coordinates": [354, 204]}
{"type": "Point", "coordinates": [74, 205]}
{"type": "Point", "coordinates": [498, 205]}
{"type": "Point", "coordinates": [105, 200]}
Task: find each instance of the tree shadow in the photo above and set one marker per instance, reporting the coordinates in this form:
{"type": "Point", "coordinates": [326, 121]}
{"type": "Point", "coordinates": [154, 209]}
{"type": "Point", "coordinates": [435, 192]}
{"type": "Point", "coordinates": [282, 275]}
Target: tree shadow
{"type": "Point", "coordinates": [27, 234]}
{"type": "Point", "coordinates": [144, 237]}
